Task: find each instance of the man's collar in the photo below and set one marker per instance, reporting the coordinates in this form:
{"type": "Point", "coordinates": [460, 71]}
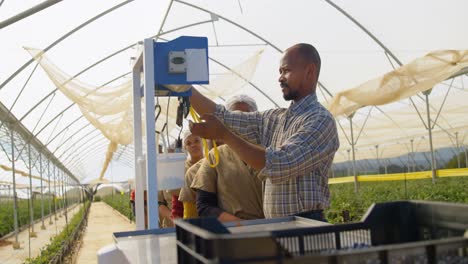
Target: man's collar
{"type": "Point", "coordinates": [303, 104]}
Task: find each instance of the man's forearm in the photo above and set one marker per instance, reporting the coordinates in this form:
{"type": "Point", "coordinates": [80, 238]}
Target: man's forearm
{"type": "Point", "coordinates": [202, 104]}
{"type": "Point", "coordinates": [253, 155]}
{"type": "Point", "coordinates": [227, 217]}
{"type": "Point", "coordinates": [164, 211]}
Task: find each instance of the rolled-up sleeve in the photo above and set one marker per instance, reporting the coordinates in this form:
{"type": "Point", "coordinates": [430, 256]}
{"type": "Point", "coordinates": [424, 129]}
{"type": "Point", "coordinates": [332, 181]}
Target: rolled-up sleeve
{"type": "Point", "coordinates": [246, 124]}
{"type": "Point", "coordinates": [303, 152]}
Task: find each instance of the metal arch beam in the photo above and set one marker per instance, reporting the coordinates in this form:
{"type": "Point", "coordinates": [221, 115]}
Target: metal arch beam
{"type": "Point", "coordinates": [279, 50]}
{"type": "Point", "coordinates": [248, 31]}
{"type": "Point", "coordinates": [461, 72]}
{"type": "Point", "coordinates": [93, 65]}
{"type": "Point", "coordinates": [73, 163]}
{"type": "Point", "coordinates": [96, 142]}
{"type": "Point", "coordinates": [65, 129]}
{"type": "Point", "coordinates": [364, 125]}
{"type": "Point", "coordinates": [8, 117]}
{"type": "Point", "coordinates": [104, 59]}
{"type": "Point", "coordinates": [231, 22]}
{"type": "Point", "coordinates": [64, 37]}
{"type": "Point", "coordinates": [399, 63]}
{"type": "Point", "coordinates": [121, 50]}
{"type": "Point", "coordinates": [72, 104]}
{"type": "Point", "coordinates": [365, 30]}
{"type": "Point", "coordinates": [28, 12]}
{"type": "Point", "coordinates": [88, 145]}
{"type": "Point", "coordinates": [240, 76]}
{"type": "Point", "coordinates": [443, 103]}
{"type": "Point", "coordinates": [78, 141]}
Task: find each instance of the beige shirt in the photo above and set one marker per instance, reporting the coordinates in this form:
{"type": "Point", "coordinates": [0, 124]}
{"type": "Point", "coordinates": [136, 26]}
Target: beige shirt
{"type": "Point", "coordinates": [187, 194]}
{"type": "Point", "coordinates": [236, 184]}
{"type": "Point", "coordinates": [165, 196]}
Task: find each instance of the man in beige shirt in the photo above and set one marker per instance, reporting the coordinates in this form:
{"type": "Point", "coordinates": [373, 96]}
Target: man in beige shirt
{"type": "Point", "coordinates": [231, 191]}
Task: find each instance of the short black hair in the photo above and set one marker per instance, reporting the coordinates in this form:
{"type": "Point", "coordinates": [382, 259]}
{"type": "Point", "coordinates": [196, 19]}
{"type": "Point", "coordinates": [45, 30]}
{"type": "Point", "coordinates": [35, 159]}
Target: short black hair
{"type": "Point", "coordinates": [310, 54]}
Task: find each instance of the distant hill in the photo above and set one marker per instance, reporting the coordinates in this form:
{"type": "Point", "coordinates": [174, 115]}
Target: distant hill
{"type": "Point", "coordinates": [400, 164]}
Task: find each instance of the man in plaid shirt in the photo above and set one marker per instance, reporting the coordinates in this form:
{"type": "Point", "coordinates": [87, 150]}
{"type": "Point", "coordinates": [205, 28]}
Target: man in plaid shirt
{"type": "Point", "coordinates": [292, 148]}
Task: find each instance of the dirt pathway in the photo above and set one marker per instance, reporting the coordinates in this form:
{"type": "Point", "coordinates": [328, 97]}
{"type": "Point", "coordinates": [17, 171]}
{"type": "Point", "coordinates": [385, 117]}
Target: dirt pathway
{"type": "Point", "coordinates": [102, 222]}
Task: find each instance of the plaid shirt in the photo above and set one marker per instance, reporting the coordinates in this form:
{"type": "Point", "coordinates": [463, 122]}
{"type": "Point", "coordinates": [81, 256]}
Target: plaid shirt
{"type": "Point", "coordinates": [300, 143]}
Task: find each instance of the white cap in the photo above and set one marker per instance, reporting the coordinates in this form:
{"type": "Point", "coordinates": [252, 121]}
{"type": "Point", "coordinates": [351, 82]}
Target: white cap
{"type": "Point", "coordinates": [241, 98]}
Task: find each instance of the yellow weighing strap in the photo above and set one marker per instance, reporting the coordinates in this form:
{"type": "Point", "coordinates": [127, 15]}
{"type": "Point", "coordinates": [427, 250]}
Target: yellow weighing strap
{"type": "Point", "coordinates": [196, 118]}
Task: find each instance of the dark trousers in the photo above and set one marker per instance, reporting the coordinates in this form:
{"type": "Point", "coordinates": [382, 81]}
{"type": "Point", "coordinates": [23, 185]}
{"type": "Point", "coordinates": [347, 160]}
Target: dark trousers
{"type": "Point", "coordinates": [314, 214]}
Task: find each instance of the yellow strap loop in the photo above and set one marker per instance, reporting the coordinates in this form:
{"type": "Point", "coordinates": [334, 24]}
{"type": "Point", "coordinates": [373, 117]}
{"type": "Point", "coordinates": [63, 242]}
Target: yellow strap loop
{"type": "Point", "coordinates": [196, 118]}
{"type": "Point", "coordinates": [190, 210]}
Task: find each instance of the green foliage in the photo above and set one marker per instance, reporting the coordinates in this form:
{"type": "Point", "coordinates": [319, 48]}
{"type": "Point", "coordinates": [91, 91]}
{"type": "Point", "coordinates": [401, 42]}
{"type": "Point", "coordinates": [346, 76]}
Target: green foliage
{"type": "Point", "coordinates": [453, 162]}
{"type": "Point", "coordinates": [97, 198]}
{"type": "Point", "coordinates": [121, 203]}
{"type": "Point", "coordinates": [57, 242]}
{"type": "Point", "coordinates": [6, 213]}
{"type": "Point", "coordinates": [343, 197]}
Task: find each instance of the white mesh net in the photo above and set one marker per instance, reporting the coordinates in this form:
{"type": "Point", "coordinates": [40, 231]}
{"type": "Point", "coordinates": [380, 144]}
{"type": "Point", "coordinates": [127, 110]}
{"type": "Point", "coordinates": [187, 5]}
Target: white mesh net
{"type": "Point", "coordinates": [109, 108]}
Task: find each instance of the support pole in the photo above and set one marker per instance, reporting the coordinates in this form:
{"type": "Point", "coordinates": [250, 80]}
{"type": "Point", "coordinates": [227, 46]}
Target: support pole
{"type": "Point", "coordinates": [151, 153]}
{"type": "Point", "coordinates": [378, 160]}
{"type": "Point", "coordinates": [386, 164]}
{"type": "Point", "coordinates": [55, 196]}
{"type": "Point", "coordinates": [138, 151]}
{"type": "Point", "coordinates": [412, 155]}
{"type": "Point", "coordinates": [16, 244]}
{"type": "Point", "coordinates": [429, 127]}
{"type": "Point", "coordinates": [62, 203]}
{"type": "Point", "coordinates": [349, 161]}
{"type": "Point", "coordinates": [458, 150]}
{"type": "Point", "coordinates": [354, 153]}
{"type": "Point", "coordinates": [42, 192]}
{"type": "Point", "coordinates": [65, 204]}
{"type": "Point", "coordinates": [64, 198]}
{"type": "Point", "coordinates": [31, 210]}
{"type": "Point", "coordinates": [50, 192]}
{"type": "Point", "coordinates": [466, 158]}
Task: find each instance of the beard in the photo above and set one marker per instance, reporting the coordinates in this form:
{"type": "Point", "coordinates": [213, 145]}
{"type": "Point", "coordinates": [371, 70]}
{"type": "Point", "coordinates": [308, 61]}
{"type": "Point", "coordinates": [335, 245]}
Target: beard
{"type": "Point", "coordinates": [291, 94]}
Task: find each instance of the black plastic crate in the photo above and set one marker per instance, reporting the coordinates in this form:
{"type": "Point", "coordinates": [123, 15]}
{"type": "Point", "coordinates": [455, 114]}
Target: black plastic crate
{"type": "Point", "coordinates": [395, 232]}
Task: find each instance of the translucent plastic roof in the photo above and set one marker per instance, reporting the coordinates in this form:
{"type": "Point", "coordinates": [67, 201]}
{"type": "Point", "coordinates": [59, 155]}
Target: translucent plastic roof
{"type": "Point", "coordinates": [358, 41]}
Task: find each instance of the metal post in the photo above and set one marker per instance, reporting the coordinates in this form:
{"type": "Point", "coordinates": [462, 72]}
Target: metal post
{"type": "Point", "coordinates": [458, 150]}
{"type": "Point", "coordinates": [42, 192]}
{"type": "Point", "coordinates": [16, 244]}
{"type": "Point", "coordinates": [412, 155]}
{"type": "Point", "coordinates": [65, 205]}
{"type": "Point", "coordinates": [466, 158]}
{"type": "Point", "coordinates": [50, 202]}
{"type": "Point", "coordinates": [151, 153]}
{"type": "Point", "coordinates": [55, 196]}
{"type": "Point", "coordinates": [60, 176]}
{"type": "Point", "coordinates": [31, 210]}
{"type": "Point", "coordinates": [59, 181]}
{"type": "Point", "coordinates": [349, 161]}
{"type": "Point", "coordinates": [354, 154]}
{"type": "Point", "coordinates": [409, 161]}
{"type": "Point", "coordinates": [62, 204]}
{"type": "Point", "coordinates": [138, 143]}
{"type": "Point", "coordinates": [429, 127]}
{"type": "Point", "coordinates": [378, 160]}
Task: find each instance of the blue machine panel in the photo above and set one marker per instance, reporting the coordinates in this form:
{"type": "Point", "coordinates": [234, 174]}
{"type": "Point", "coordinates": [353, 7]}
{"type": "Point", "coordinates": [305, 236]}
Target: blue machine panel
{"type": "Point", "coordinates": [161, 58]}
